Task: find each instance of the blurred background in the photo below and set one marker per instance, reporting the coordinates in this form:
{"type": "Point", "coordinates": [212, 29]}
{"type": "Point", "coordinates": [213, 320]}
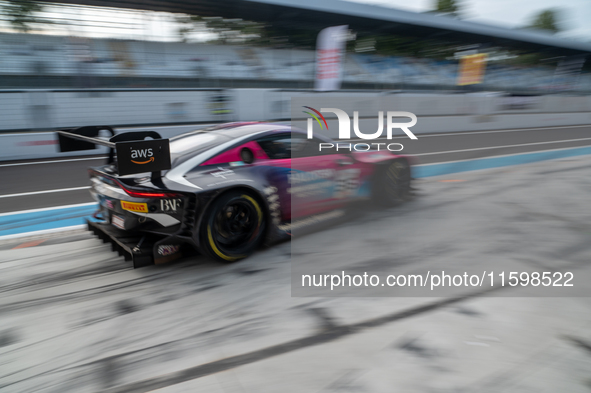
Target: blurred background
{"type": "Point", "coordinates": [173, 62]}
{"type": "Point", "coordinates": [163, 44]}
{"type": "Point", "coordinates": [203, 62]}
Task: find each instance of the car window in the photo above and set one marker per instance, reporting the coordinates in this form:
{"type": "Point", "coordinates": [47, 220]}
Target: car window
{"type": "Point", "coordinates": [282, 146]}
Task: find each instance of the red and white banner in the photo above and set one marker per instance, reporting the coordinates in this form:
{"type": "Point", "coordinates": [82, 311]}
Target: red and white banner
{"type": "Point", "coordinates": [330, 46]}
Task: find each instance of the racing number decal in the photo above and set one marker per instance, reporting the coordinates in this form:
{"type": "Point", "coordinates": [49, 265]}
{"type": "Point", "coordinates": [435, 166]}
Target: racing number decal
{"type": "Point", "coordinates": [346, 182]}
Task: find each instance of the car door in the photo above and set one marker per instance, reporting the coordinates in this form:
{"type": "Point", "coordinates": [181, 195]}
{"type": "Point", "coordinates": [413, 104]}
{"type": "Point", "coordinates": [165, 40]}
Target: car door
{"type": "Point", "coordinates": [304, 183]}
{"type": "Point", "coordinates": [347, 173]}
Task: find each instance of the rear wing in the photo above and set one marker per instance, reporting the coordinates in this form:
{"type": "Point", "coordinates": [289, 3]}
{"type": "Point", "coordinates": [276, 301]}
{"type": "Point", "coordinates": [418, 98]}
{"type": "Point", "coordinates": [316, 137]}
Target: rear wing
{"type": "Point", "coordinates": [129, 151]}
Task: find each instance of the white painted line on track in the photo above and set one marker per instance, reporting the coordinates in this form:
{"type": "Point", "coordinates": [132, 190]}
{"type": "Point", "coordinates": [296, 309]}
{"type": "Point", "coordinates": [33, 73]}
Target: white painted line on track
{"type": "Point", "coordinates": [502, 147]}
{"type": "Point", "coordinates": [54, 161]}
{"type": "Point", "coordinates": [43, 209]}
{"type": "Point", "coordinates": [44, 192]}
{"type": "Point", "coordinates": [42, 232]}
{"type": "Point", "coordinates": [460, 133]}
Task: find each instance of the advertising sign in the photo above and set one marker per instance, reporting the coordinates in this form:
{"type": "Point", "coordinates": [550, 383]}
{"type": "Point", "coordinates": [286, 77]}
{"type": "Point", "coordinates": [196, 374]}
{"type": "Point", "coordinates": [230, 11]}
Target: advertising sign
{"type": "Point", "coordinates": [472, 69]}
{"type": "Point", "coordinates": [329, 55]}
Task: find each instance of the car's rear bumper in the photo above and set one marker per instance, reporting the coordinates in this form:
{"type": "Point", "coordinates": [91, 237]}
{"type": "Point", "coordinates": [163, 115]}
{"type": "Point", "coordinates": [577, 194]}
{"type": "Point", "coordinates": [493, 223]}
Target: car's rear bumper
{"type": "Point", "coordinates": [143, 249]}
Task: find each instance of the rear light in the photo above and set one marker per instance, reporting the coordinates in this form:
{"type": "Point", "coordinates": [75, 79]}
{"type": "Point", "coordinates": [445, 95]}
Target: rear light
{"type": "Point", "coordinates": [146, 194]}
{"type": "Point", "coordinates": [129, 191]}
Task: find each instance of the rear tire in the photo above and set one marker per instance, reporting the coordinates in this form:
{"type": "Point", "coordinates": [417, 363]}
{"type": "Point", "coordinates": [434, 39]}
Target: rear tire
{"type": "Point", "coordinates": [393, 183]}
{"type": "Point", "coordinates": [233, 227]}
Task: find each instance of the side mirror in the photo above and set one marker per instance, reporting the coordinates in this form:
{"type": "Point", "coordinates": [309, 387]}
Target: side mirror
{"type": "Point", "coordinates": [247, 156]}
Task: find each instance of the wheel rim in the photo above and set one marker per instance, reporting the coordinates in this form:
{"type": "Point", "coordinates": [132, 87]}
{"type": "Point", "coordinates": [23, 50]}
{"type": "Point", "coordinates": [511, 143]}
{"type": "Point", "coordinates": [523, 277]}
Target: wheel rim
{"type": "Point", "coordinates": [235, 224]}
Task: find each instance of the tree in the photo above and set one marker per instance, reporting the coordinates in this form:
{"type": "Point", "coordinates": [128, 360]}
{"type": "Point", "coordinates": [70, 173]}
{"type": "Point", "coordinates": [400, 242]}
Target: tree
{"type": "Point", "coordinates": [546, 20]}
{"type": "Point", "coordinates": [22, 13]}
{"type": "Point", "coordinates": [447, 7]}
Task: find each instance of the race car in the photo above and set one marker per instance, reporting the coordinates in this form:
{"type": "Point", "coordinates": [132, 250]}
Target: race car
{"type": "Point", "coordinates": [225, 190]}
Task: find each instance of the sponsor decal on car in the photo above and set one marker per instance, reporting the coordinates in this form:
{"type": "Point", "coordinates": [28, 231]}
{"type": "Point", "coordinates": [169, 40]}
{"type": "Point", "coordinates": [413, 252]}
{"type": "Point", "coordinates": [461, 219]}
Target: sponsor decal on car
{"type": "Point", "coordinates": [307, 184]}
{"type": "Point", "coordinates": [170, 205]}
{"type": "Point", "coordinates": [134, 207]}
{"type": "Point", "coordinates": [142, 153]}
{"type": "Point", "coordinates": [117, 221]}
{"type": "Point", "coordinates": [168, 249]}
{"type": "Point", "coordinates": [143, 156]}
{"type": "Point", "coordinates": [347, 182]}
{"type": "Point", "coordinates": [223, 173]}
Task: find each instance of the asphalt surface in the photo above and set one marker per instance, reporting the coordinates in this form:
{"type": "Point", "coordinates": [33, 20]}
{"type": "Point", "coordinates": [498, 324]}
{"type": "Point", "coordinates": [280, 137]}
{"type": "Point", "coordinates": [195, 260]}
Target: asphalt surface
{"type": "Point", "coordinates": [77, 318]}
{"type": "Point", "coordinates": [20, 179]}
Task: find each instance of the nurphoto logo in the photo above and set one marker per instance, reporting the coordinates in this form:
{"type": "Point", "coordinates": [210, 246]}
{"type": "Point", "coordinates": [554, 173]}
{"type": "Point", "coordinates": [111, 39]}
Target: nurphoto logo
{"type": "Point", "coordinates": [345, 129]}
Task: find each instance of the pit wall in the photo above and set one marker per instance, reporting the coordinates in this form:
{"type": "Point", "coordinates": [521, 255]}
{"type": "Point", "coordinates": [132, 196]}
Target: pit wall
{"type": "Point", "coordinates": [26, 115]}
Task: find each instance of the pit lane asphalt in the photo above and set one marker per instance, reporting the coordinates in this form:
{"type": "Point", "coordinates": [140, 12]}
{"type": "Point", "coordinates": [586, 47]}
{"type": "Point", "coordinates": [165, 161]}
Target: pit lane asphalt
{"type": "Point", "coordinates": [76, 318]}
{"type": "Point", "coordinates": [60, 174]}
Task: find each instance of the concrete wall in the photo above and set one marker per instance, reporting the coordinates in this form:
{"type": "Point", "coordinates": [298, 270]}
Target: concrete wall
{"type": "Point", "coordinates": [455, 113]}
{"type": "Point", "coordinates": [43, 110]}
{"type": "Point", "coordinates": [24, 111]}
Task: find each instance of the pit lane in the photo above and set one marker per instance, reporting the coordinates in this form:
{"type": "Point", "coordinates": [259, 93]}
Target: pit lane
{"type": "Point", "coordinates": [77, 318]}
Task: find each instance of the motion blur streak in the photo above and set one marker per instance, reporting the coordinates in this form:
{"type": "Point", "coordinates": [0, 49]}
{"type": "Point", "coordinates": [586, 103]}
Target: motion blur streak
{"type": "Point", "coordinates": [29, 244]}
{"type": "Point", "coordinates": [44, 192]}
{"type": "Point", "coordinates": [52, 161]}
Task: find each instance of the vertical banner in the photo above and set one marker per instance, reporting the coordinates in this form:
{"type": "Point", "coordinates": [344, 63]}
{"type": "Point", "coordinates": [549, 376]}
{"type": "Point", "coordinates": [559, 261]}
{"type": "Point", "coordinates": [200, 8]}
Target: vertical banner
{"type": "Point", "coordinates": [472, 69]}
{"type": "Point", "coordinates": [330, 46]}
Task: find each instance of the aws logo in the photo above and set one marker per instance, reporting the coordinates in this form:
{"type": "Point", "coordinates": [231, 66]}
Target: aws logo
{"type": "Point", "coordinates": [142, 154]}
